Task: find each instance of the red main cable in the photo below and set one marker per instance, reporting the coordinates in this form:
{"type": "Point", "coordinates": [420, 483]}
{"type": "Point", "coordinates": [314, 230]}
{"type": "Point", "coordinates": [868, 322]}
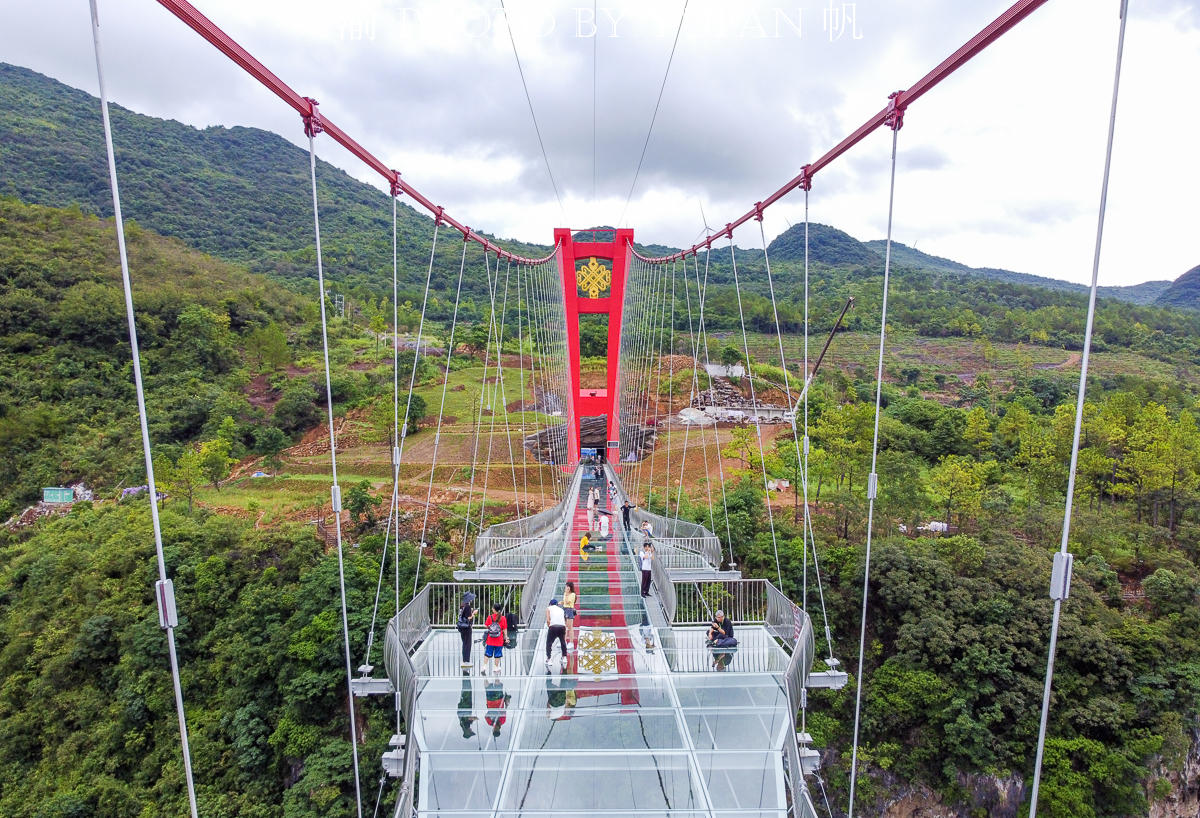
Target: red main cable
{"type": "Point", "coordinates": [892, 116]}
{"type": "Point", "coordinates": [307, 108]}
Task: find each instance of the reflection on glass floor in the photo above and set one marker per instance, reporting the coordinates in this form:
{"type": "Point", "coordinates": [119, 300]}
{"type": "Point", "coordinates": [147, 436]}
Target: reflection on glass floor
{"type": "Point", "coordinates": [640, 720]}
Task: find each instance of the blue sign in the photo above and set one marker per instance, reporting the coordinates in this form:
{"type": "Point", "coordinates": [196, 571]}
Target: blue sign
{"type": "Point", "coordinates": [587, 452]}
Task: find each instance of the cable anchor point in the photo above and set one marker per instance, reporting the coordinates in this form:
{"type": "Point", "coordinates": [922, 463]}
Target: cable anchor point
{"type": "Point", "coordinates": [397, 190]}
{"type": "Point", "coordinates": [894, 118]}
{"type": "Point", "coordinates": [313, 124]}
{"type": "Point", "coordinates": [758, 211]}
{"type": "Point", "coordinates": [805, 182]}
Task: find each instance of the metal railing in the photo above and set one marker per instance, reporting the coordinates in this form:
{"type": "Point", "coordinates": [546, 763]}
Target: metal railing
{"type": "Point", "coordinates": [666, 588]}
{"type": "Point", "coordinates": [445, 599]}
{"type": "Point", "coordinates": [802, 805]}
{"type": "Point", "coordinates": [675, 559]}
{"type": "Point", "coordinates": [531, 588]}
{"type": "Point", "coordinates": [411, 625]}
{"type": "Point", "coordinates": [743, 600]}
{"type": "Point", "coordinates": [404, 679]}
{"type": "Point", "coordinates": [502, 537]}
{"type": "Point", "coordinates": [680, 534]}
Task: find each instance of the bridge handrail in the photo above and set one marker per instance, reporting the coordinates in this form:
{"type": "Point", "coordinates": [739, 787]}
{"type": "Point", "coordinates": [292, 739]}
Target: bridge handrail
{"type": "Point", "coordinates": [502, 537]}
{"type": "Point", "coordinates": [661, 578]}
{"type": "Point", "coordinates": [681, 534]}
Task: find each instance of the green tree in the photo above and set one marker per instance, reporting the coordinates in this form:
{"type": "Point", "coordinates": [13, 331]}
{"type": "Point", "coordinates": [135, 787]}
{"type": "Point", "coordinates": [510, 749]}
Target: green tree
{"type": "Point", "coordinates": [731, 355]}
{"type": "Point", "coordinates": [215, 461]}
{"type": "Point", "coordinates": [742, 447]}
{"type": "Point", "coordinates": [268, 347]}
{"type": "Point", "coordinates": [361, 504]}
{"type": "Point", "coordinates": [183, 478]}
{"type": "Point", "coordinates": [978, 432]}
{"type": "Point", "coordinates": [270, 442]}
{"type": "Point", "coordinates": [958, 482]}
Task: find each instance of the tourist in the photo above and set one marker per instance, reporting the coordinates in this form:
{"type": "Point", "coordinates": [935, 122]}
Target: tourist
{"type": "Point", "coordinates": [494, 627]}
{"type": "Point", "coordinates": [556, 628]}
{"type": "Point", "coordinates": [720, 634]}
{"type": "Point", "coordinates": [570, 603]}
{"type": "Point", "coordinates": [626, 507]}
{"type": "Point", "coordinates": [647, 558]}
{"type": "Point", "coordinates": [465, 616]}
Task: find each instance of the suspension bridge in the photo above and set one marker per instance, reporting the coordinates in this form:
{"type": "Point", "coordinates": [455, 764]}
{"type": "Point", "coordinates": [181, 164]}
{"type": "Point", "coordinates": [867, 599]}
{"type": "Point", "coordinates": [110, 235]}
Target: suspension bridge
{"type": "Point", "coordinates": [640, 712]}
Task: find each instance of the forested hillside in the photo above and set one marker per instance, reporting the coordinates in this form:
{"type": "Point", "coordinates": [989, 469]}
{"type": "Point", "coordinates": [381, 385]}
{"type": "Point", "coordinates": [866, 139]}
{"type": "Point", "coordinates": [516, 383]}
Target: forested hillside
{"type": "Point", "coordinates": [67, 408]}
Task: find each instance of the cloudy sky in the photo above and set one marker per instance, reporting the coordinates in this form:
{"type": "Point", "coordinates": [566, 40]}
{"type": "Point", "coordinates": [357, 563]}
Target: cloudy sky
{"type": "Point", "coordinates": [1000, 166]}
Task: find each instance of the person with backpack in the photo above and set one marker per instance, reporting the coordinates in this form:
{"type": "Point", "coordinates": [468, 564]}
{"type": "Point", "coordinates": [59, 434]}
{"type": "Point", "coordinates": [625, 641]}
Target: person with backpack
{"type": "Point", "coordinates": [466, 616]}
{"type": "Point", "coordinates": [494, 626]}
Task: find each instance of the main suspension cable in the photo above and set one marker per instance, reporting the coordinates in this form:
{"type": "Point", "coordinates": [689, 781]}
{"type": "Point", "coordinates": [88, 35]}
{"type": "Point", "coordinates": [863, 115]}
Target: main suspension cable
{"type": "Point", "coordinates": [650, 131]}
{"type": "Point", "coordinates": [532, 115]}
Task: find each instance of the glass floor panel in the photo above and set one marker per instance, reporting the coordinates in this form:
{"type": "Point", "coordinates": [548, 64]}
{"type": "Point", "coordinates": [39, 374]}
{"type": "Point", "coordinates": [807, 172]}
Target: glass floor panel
{"type": "Point", "coordinates": [620, 781]}
{"type": "Point", "coordinates": [460, 781]}
{"type": "Point", "coordinates": [743, 780]}
{"type": "Point", "coordinates": [721, 728]}
{"type": "Point", "coordinates": [558, 728]}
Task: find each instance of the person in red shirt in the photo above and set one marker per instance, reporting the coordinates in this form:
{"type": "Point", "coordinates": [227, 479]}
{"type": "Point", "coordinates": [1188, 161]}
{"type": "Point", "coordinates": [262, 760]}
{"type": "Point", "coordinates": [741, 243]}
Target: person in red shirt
{"type": "Point", "coordinates": [495, 627]}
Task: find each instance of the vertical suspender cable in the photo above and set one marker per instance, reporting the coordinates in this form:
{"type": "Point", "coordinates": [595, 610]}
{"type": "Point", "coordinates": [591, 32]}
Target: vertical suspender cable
{"type": "Point", "coordinates": [872, 478]}
{"type": "Point", "coordinates": [165, 591]}
{"type": "Point", "coordinates": [336, 491]}
{"type": "Point", "coordinates": [713, 392]}
{"type": "Point", "coordinates": [753, 405]}
{"type": "Point", "coordinates": [477, 419]}
{"type": "Point", "coordinates": [393, 516]}
{"type": "Point", "coordinates": [1062, 557]}
{"type": "Point", "coordinates": [437, 437]}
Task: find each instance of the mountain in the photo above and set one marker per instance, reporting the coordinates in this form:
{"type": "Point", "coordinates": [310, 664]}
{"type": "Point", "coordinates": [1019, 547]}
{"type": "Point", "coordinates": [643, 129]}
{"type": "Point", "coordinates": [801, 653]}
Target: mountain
{"type": "Point", "coordinates": [1145, 293]}
{"type": "Point", "coordinates": [1183, 292]}
{"type": "Point", "coordinates": [826, 245]}
{"type": "Point", "coordinates": [242, 194]}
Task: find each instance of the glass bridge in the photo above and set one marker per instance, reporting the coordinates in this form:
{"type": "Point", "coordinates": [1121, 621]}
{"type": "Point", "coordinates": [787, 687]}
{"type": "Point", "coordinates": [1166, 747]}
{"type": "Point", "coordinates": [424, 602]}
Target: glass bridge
{"type": "Point", "coordinates": [642, 718]}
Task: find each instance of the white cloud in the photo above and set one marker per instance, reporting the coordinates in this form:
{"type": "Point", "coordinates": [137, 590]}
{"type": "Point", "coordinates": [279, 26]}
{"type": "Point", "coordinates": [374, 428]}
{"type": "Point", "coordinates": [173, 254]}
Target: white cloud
{"type": "Point", "coordinates": [1000, 166]}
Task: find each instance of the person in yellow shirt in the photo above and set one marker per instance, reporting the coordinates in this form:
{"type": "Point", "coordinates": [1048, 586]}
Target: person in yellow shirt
{"type": "Point", "coordinates": [583, 541]}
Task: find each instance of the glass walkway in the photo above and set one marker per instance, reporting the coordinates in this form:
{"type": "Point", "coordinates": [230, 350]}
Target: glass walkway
{"type": "Point", "coordinates": [639, 718]}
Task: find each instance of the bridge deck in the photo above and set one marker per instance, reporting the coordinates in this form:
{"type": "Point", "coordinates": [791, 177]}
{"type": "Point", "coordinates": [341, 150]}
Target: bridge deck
{"type": "Point", "coordinates": [642, 719]}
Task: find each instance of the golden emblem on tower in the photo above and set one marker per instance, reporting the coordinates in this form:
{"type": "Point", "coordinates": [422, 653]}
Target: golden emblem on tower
{"type": "Point", "coordinates": [593, 278]}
